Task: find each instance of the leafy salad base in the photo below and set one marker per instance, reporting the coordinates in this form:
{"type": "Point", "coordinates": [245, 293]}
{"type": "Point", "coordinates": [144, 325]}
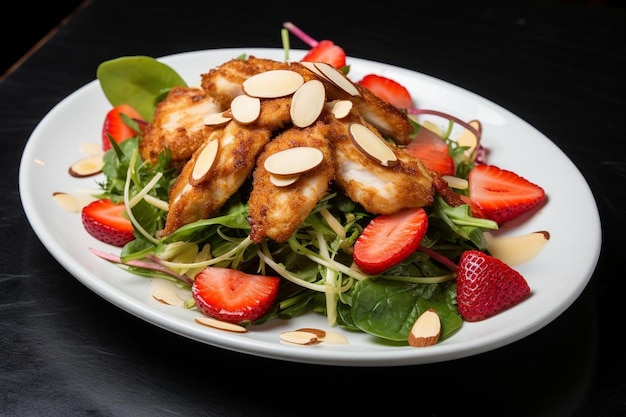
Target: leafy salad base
{"type": "Point", "coordinates": [555, 280]}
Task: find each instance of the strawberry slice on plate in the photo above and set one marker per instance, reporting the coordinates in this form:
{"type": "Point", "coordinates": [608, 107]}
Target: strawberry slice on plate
{"type": "Point", "coordinates": [115, 127]}
{"type": "Point", "coordinates": [104, 220]}
{"type": "Point", "coordinates": [501, 195]}
{"type": "Point", "coordinates": [486, 286]}
{"type": "Point", "coordinates": [389, 239]}
{"type": "Point", "coordinates": [428, 147]}
{"type": "Point", "coordinates": [388, 90]}
{"type": "Point", "coordinates": [234, 296]}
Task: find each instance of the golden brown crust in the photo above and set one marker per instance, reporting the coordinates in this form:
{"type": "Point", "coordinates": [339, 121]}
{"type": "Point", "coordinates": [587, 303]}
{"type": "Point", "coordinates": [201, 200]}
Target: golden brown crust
{"type": "Point", "coordinates": [178, 125]}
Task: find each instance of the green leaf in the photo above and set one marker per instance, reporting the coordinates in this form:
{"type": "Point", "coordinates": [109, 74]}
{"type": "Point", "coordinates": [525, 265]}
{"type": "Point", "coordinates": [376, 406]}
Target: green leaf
{"type": "Point", "coordinates": [140, 81]}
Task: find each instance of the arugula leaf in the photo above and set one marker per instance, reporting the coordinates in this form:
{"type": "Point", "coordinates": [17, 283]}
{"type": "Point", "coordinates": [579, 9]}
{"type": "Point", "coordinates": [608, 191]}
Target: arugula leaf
{"type": "Point", "coordinates": [140, 81]}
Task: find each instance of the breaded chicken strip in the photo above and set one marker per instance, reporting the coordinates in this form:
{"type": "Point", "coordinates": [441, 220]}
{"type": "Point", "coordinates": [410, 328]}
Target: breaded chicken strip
{"type": "Point", "coordinates": [239, 146]}
{"type": "Point", "coordinates": [177, 125]}
{"type": "Point", "coordinates": [379, 189]}
{"type": "Point", "coordinates": [224, 83]}
{"type": "Point", "coordinates": [276, 212]}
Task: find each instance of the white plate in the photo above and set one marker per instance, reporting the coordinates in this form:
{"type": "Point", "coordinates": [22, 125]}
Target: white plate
{"type": "Point", "coordinates": [557, 276]}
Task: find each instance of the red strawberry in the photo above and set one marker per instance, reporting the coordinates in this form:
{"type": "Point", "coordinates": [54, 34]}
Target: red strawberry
{"type": "Point", "coordinates": [432, 151]}
{"type": "Point", "coordinates": [103, 220]}
{"type": "Point", "coordinates": [234, 296]}
{"type": "Point", "coordinates": [501, 195]}
{"type": "Point", "coordinates": [328, 52]}
{"type": "Point", "coordinates": [115, 126]}
{"type": "Point", "coordinates": [388, 90]}
{"type": "Point", "coordinates": [322, 51]}
{"type": "Point", "coordinates": [485, 286]}
{"type": "Point", "coordinates": [389, 239]}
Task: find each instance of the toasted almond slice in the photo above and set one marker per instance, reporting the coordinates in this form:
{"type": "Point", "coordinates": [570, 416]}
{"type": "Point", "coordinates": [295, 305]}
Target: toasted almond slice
{"type": "Point", "coordinates": [299, 337]}
{"type": "Point", "coordinates": [87, 166]}
{"type": "Point", "coordinates": [341, 108]}
{"type": "Point", "coordinates": [283, 180]}
{"type": "Point", "coordinates": [245, 109]}
{"type": "Point", "coordinates": [273, 84]}
{"type": "Point", "coordinates": [320, 333]}
{"type": "Point", "coordinates": [467, 138]}
{"type": "Point", "coordinates": [167, 296]}
{"type": "Point", "coordinates": [293, 160]}
{"type": "Point", "coordinates": [204, 162]}
{"type": "Point", "coordinates": [426, 329]}
{"type": "Point", "coordinates": [337, 78]}
{"type": "Point", "coordinates": [217, 119]}
{"type": "Point", "coordinates": [67, 202]}
{"type": "Point", "coordinates": [307, 103]}
{"type": "Point", "coordinates": [222, 325]}
{"type": "Point", "coordinates": [516, 250]}
{"type": "Point", "coordinates": [311, 67]}
{"type": "Point", "coordinates": [372, 146]}
{"type": "Point", "coordinates": [456, 182]}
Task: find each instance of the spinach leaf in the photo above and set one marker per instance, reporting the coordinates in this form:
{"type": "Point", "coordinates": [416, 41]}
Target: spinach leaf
{"type": "Point", "coordinates": [140, 81]}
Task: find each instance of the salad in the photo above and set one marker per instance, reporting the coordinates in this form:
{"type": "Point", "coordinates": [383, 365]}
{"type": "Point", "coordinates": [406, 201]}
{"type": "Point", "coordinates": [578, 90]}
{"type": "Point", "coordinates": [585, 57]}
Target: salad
{"type": "Point", "coordinates": [380, 273]}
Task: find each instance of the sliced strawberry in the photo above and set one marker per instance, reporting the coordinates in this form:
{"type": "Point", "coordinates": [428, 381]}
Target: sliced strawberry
{"type": "Point", "coordinates": [501, 195]}
{"type": "Point", "coordinates": [388, 90]}
{"type": "Point", "coordinates": [432, 151]}
{"type": "Point", "coordinates": [389, 239]}
{"type": "Point", "coordinates": [103, 220]}
{"type": "Point", "coordinates": [485, 286]}
{"type": "Point", "coordinates": [114, 125]}
{"type": "Point", "coordinates": [328, 52]}
{"type": "Point", "coordinates": [234, 296]}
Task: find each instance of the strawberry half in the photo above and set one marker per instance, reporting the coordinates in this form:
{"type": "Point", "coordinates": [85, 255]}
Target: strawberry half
{"type": "Point", "coordinates": [389, 239]}
{"type": "Point", "coordinates": [388, 90]}
{"type": "Point", "coordinates": [501, 195]}
{"type": "Point", "coordinates": [234, 296]}
{"type": "Point", "coordinates": [103, 220]}
{"type": "Point", "coordinates": [326, 51]}
{"type": "Point", "coordinates": [432, 151]}
{"type": "Point", "coordinates": [114, 125]}
{"type": "Point", "coordinates": [485, 286]}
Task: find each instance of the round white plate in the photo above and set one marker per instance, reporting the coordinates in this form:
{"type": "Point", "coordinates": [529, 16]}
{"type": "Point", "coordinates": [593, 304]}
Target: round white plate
{"type": "Point", "coordinates": [557, 276]}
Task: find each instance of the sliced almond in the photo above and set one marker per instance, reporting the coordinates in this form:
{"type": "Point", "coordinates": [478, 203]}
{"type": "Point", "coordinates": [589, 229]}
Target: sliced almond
{"type": "Point", "coordinates": [341, 108]}
{"type": "Point", "coordinates": [456, 182]}
{"type": "Point", "coordinates": [67, 202]}
{"type": "Point", "coordinates": [320, 333]}
{"type": "Point", "coordinates": [293, 160]}
{"type": "Point", "coordinates": [371, 145]}
{"type": "Point", "coordinates": [245, 109]}
{"type": "Point", "coordinates": [167, 296]}
{"type": "Point", "coordinates": [204, 162]}
{"type": "Point", "coordinates": [217, 119]}
{"type": "Point", "coordinates": [337, 78]}
{"type": "Point", "coordinates": [273, 84]}
{"type": "Point", "coordinates": [307, 103]}
{"type": "Point", "coordinates": [311, 67]}
{"type": "Point", "coordinates": [87, 167]}
{"type": "Point", "coordinates": [468, 138]}
{"type": "Point", "coordinates": [516, 250]}
{"type": "Point", "coordinates": [283, 180]}
{"type": "Point", "coordinates": [222, 325]}
{"type": "Point", "coordinates": [299, 337]}
{"type": "Point", "coordinates": [426, 329]}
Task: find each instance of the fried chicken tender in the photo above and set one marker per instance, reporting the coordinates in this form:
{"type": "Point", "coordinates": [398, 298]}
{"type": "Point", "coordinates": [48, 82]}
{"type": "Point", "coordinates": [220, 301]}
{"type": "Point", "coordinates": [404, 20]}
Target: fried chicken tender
{"type": "Point", "coordinates": [239, 146]}
{"type": "Point", "coordinates": [224, 83]}
{"type": "Point", "coordinates": [178, 125]}
{"type": "Point", "coordinates": [276, 212]}
{"type": "Point", "coordinates": [379, 189]}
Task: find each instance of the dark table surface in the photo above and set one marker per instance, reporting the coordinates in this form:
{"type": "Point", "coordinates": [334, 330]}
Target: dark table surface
{"type": "Point", "coordinates": [558, 65]}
